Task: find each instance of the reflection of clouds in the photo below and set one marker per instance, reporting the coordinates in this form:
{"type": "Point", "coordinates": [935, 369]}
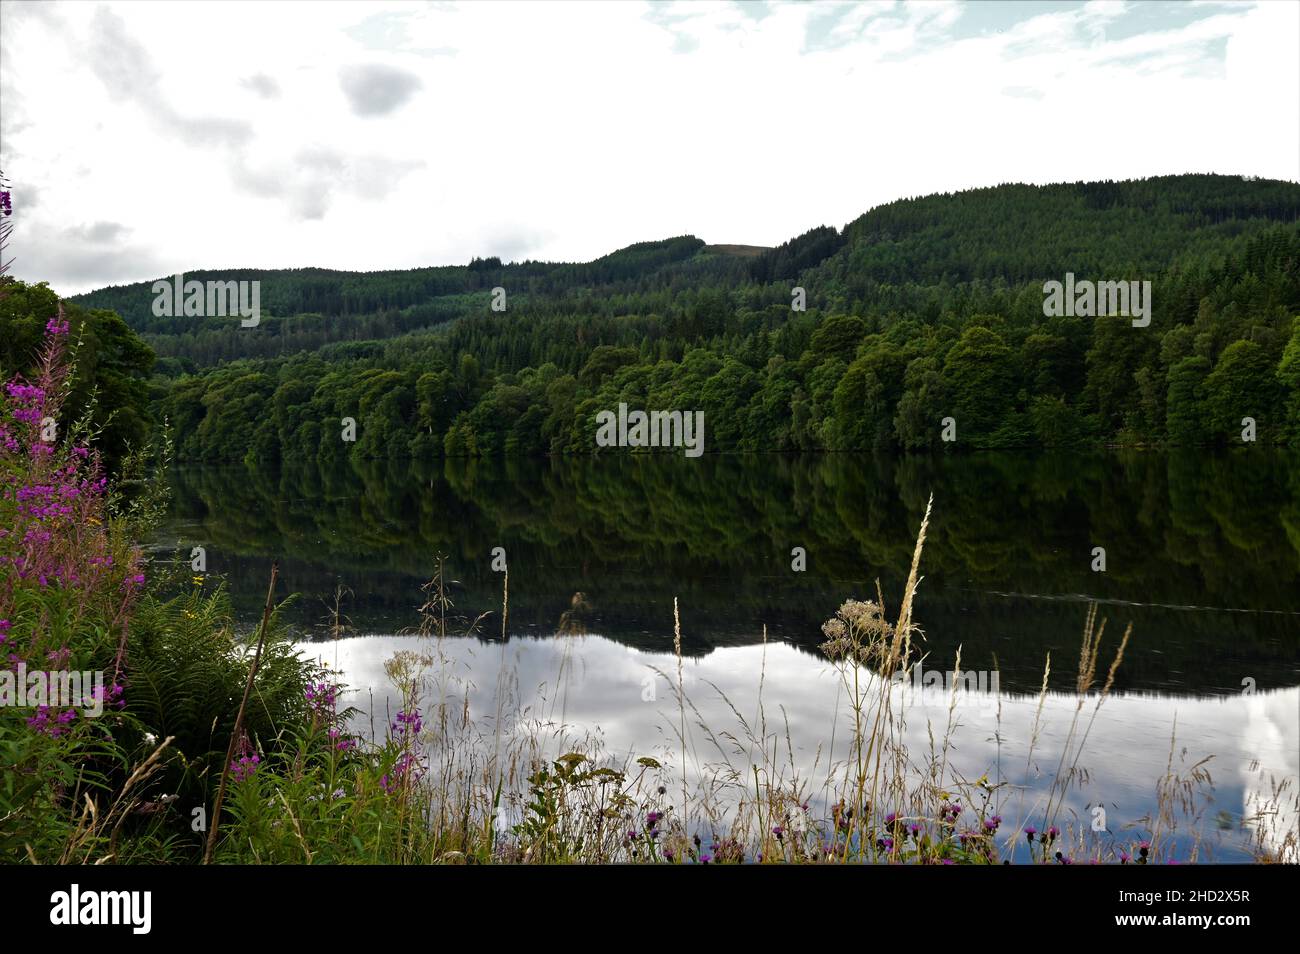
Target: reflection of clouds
{"type": "Point", "coordinates": [1272, 733]}
{"type": "Point", "coordinates": [587, 684]}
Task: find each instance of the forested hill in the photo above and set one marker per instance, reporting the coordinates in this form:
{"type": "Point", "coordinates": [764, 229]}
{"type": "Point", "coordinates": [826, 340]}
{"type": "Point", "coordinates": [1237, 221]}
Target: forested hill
{"type": "Point", "coordinates": [918, 310]}
{"type": "Point", "coordinates": [326, 291]}
{"type": "Point", "coordinates": [1021, 233]}
{"type": "Point", "coordinates": [1011, 232]}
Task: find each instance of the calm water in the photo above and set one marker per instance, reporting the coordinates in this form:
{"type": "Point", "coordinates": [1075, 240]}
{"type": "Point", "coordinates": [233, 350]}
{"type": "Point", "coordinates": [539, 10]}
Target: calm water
{"type": "Point", "coordinates": [1202, 559]}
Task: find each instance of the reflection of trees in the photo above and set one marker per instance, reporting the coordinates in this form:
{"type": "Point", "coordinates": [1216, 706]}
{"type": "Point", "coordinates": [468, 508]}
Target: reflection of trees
{"type": "Point", "coordinates": [634, 530]}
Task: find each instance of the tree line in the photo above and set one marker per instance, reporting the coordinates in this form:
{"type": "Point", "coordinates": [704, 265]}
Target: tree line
{"type": "Point", "coordinates": [920, 310]}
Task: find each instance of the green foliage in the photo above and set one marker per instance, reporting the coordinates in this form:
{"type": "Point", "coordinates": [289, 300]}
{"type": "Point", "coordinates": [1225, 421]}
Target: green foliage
{"type": "Point", "coordinates": [980, 375]}
{"type": "Point", "coordinates": [925, 402]}
{"type": "Point", "coordinates": [1288, 376]}
{"type": "Point", "coordinates": [110, 365]}
{"type": "Point", "coordinates": [1186, 419]}
{"type": "Point", "coordinates": [188, 672]}
{"type": "Point", "coordinates": [790, 258]}
{"type": "Point", "coordinates": [838, 337]}
{"type": "Point", "coordinates": [1241, 385]}
{"type": "Point", "coordinates": [548, 831]}
{"type": "Point", "coordinates": [427, 369]}
{"type": "Point", "coordinates": [1055, 423]}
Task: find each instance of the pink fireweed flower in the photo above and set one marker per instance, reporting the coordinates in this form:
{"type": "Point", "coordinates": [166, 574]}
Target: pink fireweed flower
{"type": "Point", "coordinates": [53, 727]}
{"type": "Point", "coordinates": [245, 767]}
{"type": "Point", "coordinates": [55, 531]}
{"type": "Point", "coordinates": [109, 696]}
{"type": "Point", "coordinates": [25, 393]}
{"type": "Point", "coordinates": [323, 697]}
{"type": "Point", "coordinates": [406, 770]}
{"type": "Point", "coordinates": [246, 761]}
{"type": "Point", "coordinates": [407, 723]}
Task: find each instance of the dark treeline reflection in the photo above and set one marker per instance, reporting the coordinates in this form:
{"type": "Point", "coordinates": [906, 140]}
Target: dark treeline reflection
{"type": "Point", "coordinates": [1202, 551]}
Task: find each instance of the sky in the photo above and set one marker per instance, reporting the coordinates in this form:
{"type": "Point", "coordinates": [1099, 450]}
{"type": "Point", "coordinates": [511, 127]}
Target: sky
{"type": "Point", "coordinates": [143, 139]}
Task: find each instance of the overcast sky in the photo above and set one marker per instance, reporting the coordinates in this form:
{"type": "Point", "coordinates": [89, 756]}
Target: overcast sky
{"type": "Point", "coordinates": [142, 139]}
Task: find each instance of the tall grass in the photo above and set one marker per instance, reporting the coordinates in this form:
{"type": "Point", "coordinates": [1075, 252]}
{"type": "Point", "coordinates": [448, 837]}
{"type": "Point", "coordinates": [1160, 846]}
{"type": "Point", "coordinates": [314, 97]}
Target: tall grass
{"type": "Point", "coordinates": [523, 787]}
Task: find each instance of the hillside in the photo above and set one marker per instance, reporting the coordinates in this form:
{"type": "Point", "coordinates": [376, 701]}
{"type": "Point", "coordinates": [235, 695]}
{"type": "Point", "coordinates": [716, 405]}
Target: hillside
{"type": "Point", "coordinates": [917, 310]}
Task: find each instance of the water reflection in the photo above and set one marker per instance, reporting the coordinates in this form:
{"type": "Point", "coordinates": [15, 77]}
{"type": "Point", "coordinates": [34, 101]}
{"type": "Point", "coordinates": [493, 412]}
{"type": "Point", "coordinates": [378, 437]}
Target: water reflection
{"type": "Point", "coordinates": [579, 687]}
{"type": "Point", "coordinates": [1203, 551]}
{"type": "Point", "coordinates": [1203, 560]}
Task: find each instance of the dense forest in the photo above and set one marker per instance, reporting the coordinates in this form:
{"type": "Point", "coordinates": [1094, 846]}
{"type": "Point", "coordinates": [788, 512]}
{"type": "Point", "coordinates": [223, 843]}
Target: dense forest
{"type": "Point", "coordinates": [920, 310]}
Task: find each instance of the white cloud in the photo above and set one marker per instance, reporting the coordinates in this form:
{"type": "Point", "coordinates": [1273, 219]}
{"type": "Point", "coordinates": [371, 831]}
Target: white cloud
{"type": "Point", "coordinates": [374, 89]}
{"type": "Point", "coordinates": [262, 84]}
{"type": "Point", "coordinates": [566, 130]}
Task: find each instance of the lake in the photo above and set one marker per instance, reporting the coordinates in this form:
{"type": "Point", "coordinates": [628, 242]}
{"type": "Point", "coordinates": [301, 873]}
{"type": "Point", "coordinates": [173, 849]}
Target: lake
{"type": "Point", "coordinates": [1201, 559]}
